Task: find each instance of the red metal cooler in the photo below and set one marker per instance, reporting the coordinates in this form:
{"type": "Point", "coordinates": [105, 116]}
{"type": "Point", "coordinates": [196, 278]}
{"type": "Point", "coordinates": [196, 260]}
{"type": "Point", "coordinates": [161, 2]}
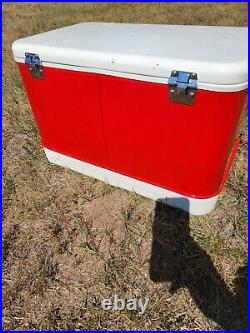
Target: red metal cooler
{"type": "Point", "coordinates": [150, 108]}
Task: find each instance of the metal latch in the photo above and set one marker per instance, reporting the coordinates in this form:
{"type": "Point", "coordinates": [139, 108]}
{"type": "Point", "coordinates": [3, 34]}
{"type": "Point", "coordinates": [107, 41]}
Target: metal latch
{"type": "Point", "coordinates": [35, 65]}
{"type": "Point", "coordinates": [182, 87]}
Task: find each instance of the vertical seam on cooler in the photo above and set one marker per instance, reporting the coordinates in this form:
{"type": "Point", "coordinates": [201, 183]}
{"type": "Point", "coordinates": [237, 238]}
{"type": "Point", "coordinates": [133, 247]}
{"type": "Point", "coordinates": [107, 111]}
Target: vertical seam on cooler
{"type": "Point", "coordinates": [102, 119]}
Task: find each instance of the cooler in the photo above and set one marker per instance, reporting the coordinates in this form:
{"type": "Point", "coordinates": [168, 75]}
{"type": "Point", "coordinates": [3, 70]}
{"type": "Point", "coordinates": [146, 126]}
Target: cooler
{"type": "Point", "coordinates": [153, 109]}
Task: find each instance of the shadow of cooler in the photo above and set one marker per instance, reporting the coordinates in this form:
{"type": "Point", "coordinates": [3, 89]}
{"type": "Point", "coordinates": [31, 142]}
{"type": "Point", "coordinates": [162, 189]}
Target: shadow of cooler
{"type": "Point", "coordinates": [150, 108]}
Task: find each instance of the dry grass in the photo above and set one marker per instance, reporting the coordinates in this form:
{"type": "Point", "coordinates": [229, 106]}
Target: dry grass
{"type": "Point", "coordinates": [69, 241]}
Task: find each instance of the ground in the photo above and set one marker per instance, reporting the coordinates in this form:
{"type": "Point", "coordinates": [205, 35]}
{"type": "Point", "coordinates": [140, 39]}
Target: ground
{"type": "Point", "coordinates": [69, 241]}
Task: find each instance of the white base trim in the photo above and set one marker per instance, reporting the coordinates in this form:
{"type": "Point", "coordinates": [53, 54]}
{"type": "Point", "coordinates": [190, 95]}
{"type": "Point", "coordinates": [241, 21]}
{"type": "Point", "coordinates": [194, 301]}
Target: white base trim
{"type": "Point", "coordinates": [191, 205]}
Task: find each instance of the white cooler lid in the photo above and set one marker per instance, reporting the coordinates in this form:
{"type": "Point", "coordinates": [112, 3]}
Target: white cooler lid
{"type": "Point", "coordinates": [218, 55]}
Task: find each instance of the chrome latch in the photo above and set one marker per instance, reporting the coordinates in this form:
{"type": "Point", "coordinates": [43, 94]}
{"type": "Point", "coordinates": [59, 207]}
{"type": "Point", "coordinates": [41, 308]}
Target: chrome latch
{"type": "Point", "coordinates": [35, 65]}
{"type": "Point", "coordinates": [182, 87]}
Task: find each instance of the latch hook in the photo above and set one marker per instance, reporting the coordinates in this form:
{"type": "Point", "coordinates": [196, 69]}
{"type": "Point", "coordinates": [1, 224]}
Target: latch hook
{"type": "Point", "coordinates": [182, 87]}
{"type": "Point", "coordinates": [35, 65]}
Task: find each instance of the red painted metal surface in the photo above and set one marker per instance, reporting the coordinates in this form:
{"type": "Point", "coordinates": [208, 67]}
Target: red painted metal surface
{"type": "Point", "coordinates": [130, 127]}
{"type": "Point", "coordinates": [66, 106]}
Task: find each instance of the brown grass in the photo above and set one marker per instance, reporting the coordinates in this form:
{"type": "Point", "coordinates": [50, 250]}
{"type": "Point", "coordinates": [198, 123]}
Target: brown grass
{"type": "Point", "coordinates": [69, 241]}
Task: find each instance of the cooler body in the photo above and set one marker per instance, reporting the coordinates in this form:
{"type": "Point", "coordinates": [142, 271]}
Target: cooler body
{"type": "Point", "coordinates": [138, 131]}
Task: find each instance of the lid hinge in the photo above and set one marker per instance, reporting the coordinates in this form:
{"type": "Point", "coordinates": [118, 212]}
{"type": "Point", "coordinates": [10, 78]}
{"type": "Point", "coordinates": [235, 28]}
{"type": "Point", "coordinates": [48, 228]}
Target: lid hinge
{"type": "Point", "coordinates": [182, 87]}
{"type": "Point", "coordinates": [35, 65]}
